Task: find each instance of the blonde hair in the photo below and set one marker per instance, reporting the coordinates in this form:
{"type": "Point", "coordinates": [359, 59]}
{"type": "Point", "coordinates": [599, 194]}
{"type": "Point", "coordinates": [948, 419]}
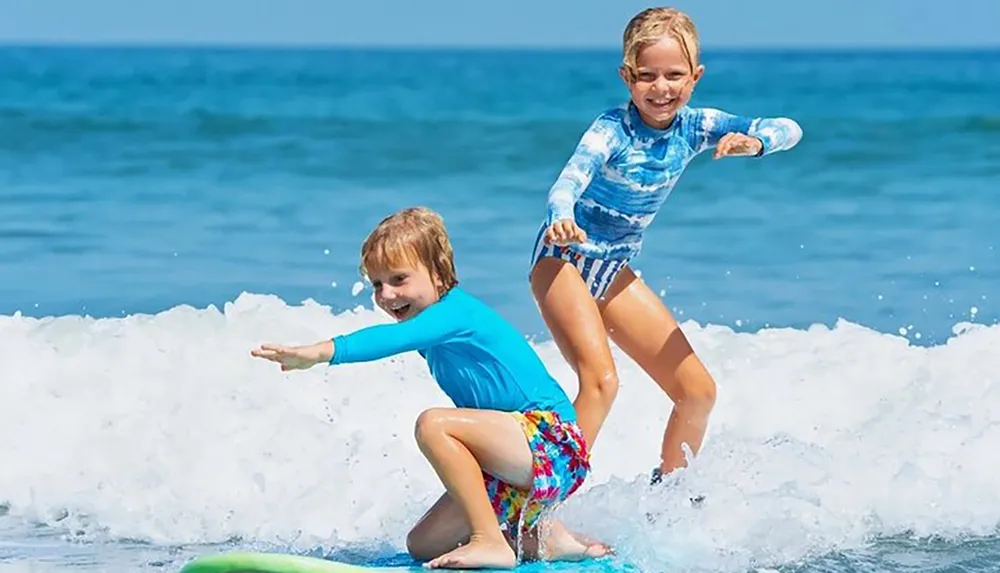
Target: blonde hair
{"type": "Point", "coordinates": [415, 234]}
{"type": "Point", "coordinates": [651, 25]}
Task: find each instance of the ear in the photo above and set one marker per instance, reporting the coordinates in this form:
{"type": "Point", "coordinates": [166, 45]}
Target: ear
{"type": "Point", "coordinates": [698, 72]}
{"type": "Point", "coordinates": [625, 74]}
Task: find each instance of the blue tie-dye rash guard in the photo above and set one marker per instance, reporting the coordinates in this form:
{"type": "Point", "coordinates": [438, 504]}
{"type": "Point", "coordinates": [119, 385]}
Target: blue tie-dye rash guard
{"type": "Point", "coordinates": [622, 170]}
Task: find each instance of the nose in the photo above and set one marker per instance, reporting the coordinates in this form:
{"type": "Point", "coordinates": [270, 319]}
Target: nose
{"type": "Point", "coordinates": [663, 85]}
{"type": "Point", "coordinates": [386, 292]}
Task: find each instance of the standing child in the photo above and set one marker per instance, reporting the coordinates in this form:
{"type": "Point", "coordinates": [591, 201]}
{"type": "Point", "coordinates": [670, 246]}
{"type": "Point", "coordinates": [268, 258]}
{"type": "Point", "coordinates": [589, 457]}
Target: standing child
{"type": "Point", "coordinates": [623, 168]}
{"type": "Point", "coordinates": [511, 448]}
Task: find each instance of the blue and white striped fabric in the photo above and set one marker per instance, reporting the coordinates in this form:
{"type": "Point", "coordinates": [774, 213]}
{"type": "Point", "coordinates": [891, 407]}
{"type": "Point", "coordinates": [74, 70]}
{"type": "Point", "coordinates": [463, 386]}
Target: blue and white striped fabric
{"type": "Point", "coordinates": [598, 274]}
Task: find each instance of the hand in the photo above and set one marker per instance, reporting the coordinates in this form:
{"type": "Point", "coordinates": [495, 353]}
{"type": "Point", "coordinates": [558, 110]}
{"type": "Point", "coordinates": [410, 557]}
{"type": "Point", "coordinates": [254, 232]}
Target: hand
{"type": "Point", "coordinates": [733, 144]}
{"type": "Point", "coordinates": [295, 357]}
{"type": "Point", "coordinates": [564, 232]}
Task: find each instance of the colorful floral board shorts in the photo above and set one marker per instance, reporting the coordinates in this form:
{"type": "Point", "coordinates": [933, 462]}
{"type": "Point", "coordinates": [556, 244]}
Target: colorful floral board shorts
{"type": "Point", "coordinates": [561, 464]}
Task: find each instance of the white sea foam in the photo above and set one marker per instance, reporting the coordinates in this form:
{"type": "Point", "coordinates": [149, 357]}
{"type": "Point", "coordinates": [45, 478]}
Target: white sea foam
{"type": "Point", "coordinates": [163, 428]}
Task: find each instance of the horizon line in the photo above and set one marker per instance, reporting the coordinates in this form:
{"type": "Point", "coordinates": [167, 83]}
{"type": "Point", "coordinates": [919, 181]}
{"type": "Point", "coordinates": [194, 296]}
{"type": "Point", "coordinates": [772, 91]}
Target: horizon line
{"type": "Point", "coordinates": [293, 45]}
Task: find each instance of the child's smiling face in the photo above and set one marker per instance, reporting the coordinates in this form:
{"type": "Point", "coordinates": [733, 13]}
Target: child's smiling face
{"type": "Point", "coordinates": [661, 81]}
{"type": "Point", "coordinates": [405, 288]}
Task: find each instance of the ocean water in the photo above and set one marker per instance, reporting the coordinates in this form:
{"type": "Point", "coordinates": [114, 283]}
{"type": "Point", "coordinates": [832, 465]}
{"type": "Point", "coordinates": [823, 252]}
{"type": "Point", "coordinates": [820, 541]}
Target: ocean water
{"type": "Point", "coordinates": [164, 210]}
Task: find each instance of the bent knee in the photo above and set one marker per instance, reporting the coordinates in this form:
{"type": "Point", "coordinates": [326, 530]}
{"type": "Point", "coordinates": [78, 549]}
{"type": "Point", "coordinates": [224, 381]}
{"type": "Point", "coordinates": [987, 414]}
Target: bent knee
{"type": "Point", "coordinates": [430, 424]}
{"type": "Point", "coordinates": [698, 394]}
{"type": "Point", "coordinates": [599, 381]}
{"type": "Point", "coordinates": [417, 546]}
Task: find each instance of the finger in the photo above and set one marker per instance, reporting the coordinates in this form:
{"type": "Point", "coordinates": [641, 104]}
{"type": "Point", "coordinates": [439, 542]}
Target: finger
{"type": "Point", "coordinates": [549, 236]}
{"type": "Point", "coordinates": [561, 233]}
{"type": "Point", "coordinates": [730, 145]}
{"type": "Point", "coordinates": [555, 232]}
{"type": "Point", "coordinates": [721, 147]}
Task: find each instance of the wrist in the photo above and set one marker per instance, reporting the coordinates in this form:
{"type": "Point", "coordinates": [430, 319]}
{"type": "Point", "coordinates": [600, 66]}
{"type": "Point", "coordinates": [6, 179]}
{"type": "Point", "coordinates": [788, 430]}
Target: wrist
{"type": "Point", "coordinates": [324, 351]}
{"type": "Point", "coordinates": [559, 215]}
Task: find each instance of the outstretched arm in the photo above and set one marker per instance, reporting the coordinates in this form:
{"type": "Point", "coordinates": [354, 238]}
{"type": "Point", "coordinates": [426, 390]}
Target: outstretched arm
{"type": "Point", "coordinates": [435, 324]}
{"type": "Point", "coordinates": [774, 133]}
{"type": "Point", "coordinates": [596, 147]}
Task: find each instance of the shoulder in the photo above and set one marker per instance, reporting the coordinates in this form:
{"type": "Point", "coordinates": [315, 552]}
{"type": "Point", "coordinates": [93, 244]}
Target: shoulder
{"type": "Point", "coordinates": [471, 311]}
{"type": "Point", "coordinates": [459, 306]}
{"type": "Point", "coordinates": [694, 118]}
{"type": "Point", "coordinates": [611, 128]}
{"type": "Point", "coordinates": [697, 125]}
{"type": "Point", "coordinates": [614, 115]}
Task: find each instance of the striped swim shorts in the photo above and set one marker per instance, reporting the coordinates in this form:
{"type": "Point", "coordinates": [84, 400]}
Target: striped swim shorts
{"type": "Point", "coordinates": [598, 274]}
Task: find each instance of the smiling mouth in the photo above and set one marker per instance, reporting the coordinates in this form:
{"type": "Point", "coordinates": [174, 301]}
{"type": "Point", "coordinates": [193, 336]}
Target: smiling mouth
{"type": "Point", "coordinates": [662, 102]}
{"type": "Point", "coordinates": [399, 311]}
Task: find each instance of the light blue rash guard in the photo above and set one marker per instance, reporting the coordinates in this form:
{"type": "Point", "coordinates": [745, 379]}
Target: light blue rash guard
{"type": "Point", "coordinates": [478, 359]}
{"type": "Point", "coordinates": [623, 170]}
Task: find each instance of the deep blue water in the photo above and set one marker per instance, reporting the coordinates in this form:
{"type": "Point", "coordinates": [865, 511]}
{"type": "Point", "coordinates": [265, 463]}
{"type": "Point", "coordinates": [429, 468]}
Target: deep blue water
{"type": "Point", "coordinates": [137, 180]}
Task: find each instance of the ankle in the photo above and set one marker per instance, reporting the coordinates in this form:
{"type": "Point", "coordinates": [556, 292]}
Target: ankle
{"type": "Point", "coordinates": [487, 536]}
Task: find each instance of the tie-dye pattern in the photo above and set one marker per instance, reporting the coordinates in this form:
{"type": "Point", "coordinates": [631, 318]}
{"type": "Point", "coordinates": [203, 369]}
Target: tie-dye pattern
{"type": "Point", "coordinates": [561, 464]}
{"type": "Point", "coordinates": [623, 170]}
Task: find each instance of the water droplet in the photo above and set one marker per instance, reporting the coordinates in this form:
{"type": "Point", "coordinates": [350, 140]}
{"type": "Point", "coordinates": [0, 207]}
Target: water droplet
{"type": "Point", "coordinates": [358, 287]}
{"type": "Point", "coordinates": [902, 330]}
{"type": "Point", "coordinates": [326, 251]}
{"type": "Point", "coordinates": [973, 311]}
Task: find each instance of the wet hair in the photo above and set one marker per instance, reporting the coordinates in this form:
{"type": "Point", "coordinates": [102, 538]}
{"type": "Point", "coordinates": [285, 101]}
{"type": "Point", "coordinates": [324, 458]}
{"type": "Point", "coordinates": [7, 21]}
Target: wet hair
{"type": "Point", "coordinates": [412, 235]}
{"type": "Point", "coordinates": [652, 25]}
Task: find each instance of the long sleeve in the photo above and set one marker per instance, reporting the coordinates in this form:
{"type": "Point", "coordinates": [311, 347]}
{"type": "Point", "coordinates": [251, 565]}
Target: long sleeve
{"type": "Point", "coordinates": [436, 324]}
{"type": "Point", "coordinates": [597, 145]}
{"type": "Point", "coordinates": [776, 133]}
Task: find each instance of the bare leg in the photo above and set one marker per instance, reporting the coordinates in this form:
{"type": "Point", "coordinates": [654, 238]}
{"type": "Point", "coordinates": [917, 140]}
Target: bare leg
{"type": "Point", "coordinates": [440, 530]}
{"type": "Point", "coordinates": [574, 320]}
{"type": "Point", "coordinates": [460, 444]}
{"type": "Point", "coordinates": [642, 326]}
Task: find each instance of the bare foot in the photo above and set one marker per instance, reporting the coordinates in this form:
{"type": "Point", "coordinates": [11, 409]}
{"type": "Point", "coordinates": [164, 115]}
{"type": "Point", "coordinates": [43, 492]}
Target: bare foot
{"type": "Point", "coordinates": [561, 545]}
{"type": "Point", "coordinates": [480, 552]}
